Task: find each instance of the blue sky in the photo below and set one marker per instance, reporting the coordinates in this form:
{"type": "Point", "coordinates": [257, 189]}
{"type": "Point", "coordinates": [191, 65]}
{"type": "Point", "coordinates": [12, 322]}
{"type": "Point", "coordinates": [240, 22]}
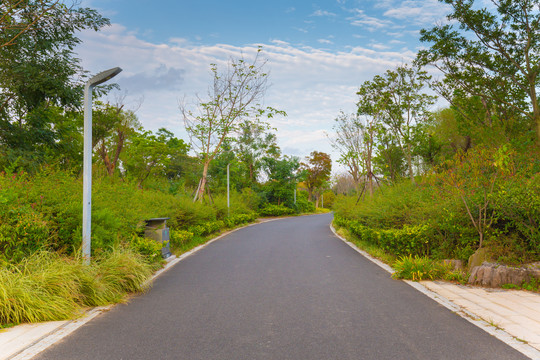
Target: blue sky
{"type": "Point", "coordinates": [318, 54]}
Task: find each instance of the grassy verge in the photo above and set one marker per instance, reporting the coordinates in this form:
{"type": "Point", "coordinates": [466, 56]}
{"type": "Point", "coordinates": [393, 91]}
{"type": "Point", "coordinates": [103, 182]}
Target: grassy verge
{"type": "Point", "coordinates": [47, 287]}
{"type": "Point", "coordinates": [415, 268]}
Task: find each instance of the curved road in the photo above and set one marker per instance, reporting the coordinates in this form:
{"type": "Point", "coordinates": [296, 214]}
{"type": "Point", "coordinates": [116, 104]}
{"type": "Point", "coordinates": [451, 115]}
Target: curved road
{"type": "Point", "coordinates": [286, 289]}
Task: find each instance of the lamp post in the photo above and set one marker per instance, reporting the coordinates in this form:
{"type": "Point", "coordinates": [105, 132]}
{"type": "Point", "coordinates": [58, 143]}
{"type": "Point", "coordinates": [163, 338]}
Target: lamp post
{"type": "Point", "coordinates": [87, 163]}
{"type": "Point", "coordinates": [228, 197]}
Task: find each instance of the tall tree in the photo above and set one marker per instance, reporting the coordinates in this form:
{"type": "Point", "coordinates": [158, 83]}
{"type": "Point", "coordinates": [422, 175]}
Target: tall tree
{"type": "Point", "coordinates": [406, 106]}
{"type": "Point", "coordinates": [234, 97]}
{"type": "Point", "coordinates": [494, 57]}
{"type": "Point", "coordinates": [370, 105]}
{"type": "Point", "coordinates": [318, 168]}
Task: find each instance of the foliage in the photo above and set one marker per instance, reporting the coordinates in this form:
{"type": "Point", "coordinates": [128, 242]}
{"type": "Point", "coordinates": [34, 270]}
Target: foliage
{"type": "Point", "coordinates": [147, 154]}
{"type": "Point", "coordinates": [431, 218]}
{"type": "Point", "coordinates": [275, 210]}
{"type": "Point", "coordinates": [40, 36]}
{"type": "Point", "coordinates": [318, 168]}
{"type": "Point", "coordinates": [492, 58]}
{"type": "Point", "coordinates": [303, 205]}
{"type": "Point", "coordinates": [283, 176]}
{"type": "Point", "coordinates": [147, 247]}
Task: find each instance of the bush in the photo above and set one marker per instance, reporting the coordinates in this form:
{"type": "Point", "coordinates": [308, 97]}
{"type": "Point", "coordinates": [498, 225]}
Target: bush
{"type": "Point", "coordinates": [303, 205]}
{"type": "Point", "coordinates": [275, 210]}
{"type": "Point", "coordinates": [180, 238]}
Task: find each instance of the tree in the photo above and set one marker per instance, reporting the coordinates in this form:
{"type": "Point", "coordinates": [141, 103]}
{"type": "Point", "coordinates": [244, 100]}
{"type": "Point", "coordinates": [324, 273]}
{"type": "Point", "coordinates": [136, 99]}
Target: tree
{"type": "Point", "coordinates": [37, 39]}
{"type": "Point", "coordinates": [494, 57]}
{"type": "Point", "coordinates": [148, 153]}
{"type": "Point", "coordinates": [233, 98]}
{"type": "Point", "coordinates": [252, 144]}
{"type": "Point", "coordinates": [370, 105]}
{"type": "Point", "coordinates": [112, 126]}
{"type": "Point", "coordinates": [318, 168]}
{"type": "Point", "coordinates": [405, 106]}
{"type": "Point", "coordinates": [349, 141]}
{"type": "Point", "coordinates": [20, 16]}
{"type": "Point", "coordinates": [283, 175]}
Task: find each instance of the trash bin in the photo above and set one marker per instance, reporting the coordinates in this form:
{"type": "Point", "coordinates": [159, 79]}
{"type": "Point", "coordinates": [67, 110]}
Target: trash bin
{"type": "Point", "coordinates": [157, 229]}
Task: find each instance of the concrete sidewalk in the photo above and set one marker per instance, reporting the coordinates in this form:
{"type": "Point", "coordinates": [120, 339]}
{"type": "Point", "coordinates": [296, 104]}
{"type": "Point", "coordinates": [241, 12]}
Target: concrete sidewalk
{"type": "Point", "coordinates": [517, 312]}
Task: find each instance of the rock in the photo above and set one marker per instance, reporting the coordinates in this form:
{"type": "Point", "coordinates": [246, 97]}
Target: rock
{"type": "Point", "coordinates": [496, 275]}
{"type": "Point", "coordinates": [478, 258]}
{"type": "Point", "coordinates": [456, 264]}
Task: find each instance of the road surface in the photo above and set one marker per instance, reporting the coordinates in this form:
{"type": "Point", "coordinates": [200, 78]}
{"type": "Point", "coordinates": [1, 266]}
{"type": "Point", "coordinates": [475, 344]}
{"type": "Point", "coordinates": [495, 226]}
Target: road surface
{"type": "Point", "coordinates": [286, 289]}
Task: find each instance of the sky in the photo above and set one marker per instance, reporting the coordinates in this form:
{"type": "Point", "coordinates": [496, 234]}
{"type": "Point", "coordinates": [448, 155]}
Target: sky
{"type": "Point", "coordinates": [318, 53]}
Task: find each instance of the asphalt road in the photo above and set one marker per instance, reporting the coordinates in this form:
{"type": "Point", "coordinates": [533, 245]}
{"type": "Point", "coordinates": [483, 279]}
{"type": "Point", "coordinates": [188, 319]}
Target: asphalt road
{"type": "Point", "coordinates": [286, 289]}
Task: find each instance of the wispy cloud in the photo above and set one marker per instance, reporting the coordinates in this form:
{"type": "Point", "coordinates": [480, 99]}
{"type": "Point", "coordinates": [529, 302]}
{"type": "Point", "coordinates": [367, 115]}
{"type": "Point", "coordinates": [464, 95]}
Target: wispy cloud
{"type": "Point", "coordinates": [323, 13]}
{"type": "Point", "coordinates": [325, 41]}
{"type": "Point", "coordinates": [369, 22]}
{"type": "Point", "coordinates": [420, 12]}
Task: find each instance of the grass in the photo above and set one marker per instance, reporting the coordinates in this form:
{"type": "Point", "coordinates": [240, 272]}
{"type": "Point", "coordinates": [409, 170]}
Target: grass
{"type": "Point", "coordinates": [370, 248]}
{"type": "Point", "coordinates": [419, 268]}
{"type": "Point", "coordinates": [47, 287]}
{"type": "Point", "coordinates": [532, 285]}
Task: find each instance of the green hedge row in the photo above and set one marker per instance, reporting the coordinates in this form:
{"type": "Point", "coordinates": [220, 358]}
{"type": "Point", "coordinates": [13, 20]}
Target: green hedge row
{"type": "Point", "coordinates": [410, 240]}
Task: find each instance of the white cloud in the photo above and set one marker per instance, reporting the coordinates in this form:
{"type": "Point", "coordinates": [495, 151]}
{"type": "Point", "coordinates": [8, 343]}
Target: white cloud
{"type": "Point", "coordinates": [371, 23]}
{"type": "Point", "coordinates": [325, 41]}
{"type": "Point", "coordinates": [322, 13]}
{"type": "Point", "coordinates": [420, 12]}
{"type": "Point", "coordinates": [378, 46]}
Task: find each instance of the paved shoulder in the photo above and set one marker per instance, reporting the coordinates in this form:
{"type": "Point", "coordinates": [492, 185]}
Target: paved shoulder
{"type": "Point", "coordinates": [286, 289]}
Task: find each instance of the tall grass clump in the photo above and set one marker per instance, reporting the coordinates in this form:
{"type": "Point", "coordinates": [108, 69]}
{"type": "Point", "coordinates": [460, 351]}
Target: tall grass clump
{"type": "Point", "coordinates": [47, 286]}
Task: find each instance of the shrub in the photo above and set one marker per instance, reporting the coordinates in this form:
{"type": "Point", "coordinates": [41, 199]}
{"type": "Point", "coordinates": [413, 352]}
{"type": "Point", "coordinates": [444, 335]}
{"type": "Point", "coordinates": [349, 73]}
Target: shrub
{"type": "Point", "coordinates": [147, 247]}
{"type": "Point", "coordinates": [180, 237]}
{"type": "Point", "coordinates": [275, 210]}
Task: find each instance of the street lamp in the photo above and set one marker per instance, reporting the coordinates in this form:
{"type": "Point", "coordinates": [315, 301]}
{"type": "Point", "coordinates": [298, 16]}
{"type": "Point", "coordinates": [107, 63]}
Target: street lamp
{"type": "Point", "coordinates": [87, 164]}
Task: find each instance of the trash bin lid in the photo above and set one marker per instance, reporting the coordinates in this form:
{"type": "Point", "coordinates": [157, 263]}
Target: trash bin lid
{"type": "Point", "coordinates": [156, 221]}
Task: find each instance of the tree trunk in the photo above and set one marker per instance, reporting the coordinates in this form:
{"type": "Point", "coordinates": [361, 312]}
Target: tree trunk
{"type": "Point", "coordinates": [409, 163]}
{"type": "Point", "coordinates": [200, 194]}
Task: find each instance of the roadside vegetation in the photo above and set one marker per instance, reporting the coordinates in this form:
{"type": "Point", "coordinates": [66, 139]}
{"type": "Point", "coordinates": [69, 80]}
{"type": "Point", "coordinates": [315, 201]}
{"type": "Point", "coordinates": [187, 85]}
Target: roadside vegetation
{"type": "Point", "coordinates": [460, 183]}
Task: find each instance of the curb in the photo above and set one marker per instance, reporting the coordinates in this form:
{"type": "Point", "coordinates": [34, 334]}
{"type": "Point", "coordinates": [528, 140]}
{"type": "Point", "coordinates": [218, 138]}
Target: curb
{"type": "Point", "coordinates": [500, 334]}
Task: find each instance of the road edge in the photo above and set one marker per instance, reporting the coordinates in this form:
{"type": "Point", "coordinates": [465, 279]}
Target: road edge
{"type": "Point", "coordinates": [500, 334]}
